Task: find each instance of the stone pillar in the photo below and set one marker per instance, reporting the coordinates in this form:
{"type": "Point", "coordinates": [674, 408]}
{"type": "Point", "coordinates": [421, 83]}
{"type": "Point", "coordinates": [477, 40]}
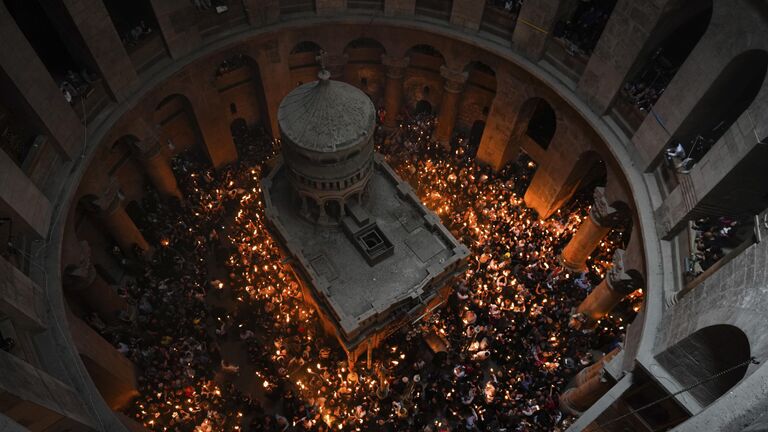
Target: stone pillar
{"type": "Point", "coordinates": [449, 105]}
{"type": "Point", "coordinates": [112, 373]}
{"type": "Point", "coordinates": [117, 222]}
{"type": "Point", "coordinates": [157, 167]}
{"type": "Point", "coordinates": [22, 201]}
{"type": "Point", "coordinates": [501, 138]}
{"type": "Point", "coordinates": [393, 92]}
{"type": "Point", "coordinates": [601, 219]}
{"type": "Point", "coordinates": [36, 399]}
{"type": "Point", "coordinates": [626, 34]}
{"type": "Point", "coordinates": [262, 12]}
{"type": "Point", "coordinates": [29, 81]}
{"type": "Point", "coordinates": [21, 299]}
{"type": "Point", "coordinates": [399, 7]}
{"type": "Point", "coordinates": [534, 27]}
{"type": "Point", "coordinates": [178, 25]}
{"type": "Point", "coordinates": [212, 118]}
{"type": "Point", "coordinates": [275, 80]}
{"type": "Point", "coordinates": [576, 400]}
{"type": "Point", "coordinates": [103, 43]}
{"type": "Point", "coordinates": [467, 13]}
{"type": "Point", "coordinates": [82, 280]}
{"type": "Point", "coordinates": [604, 297]}
{"type": "Point", "coordinates": [330, 7]}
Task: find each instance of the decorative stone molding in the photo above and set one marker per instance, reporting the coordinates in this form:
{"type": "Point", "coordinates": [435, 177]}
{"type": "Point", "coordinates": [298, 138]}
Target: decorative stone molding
{"type": "Point", "coordinates": [602, 213]}
{"type": "Point", "coordinates": [395, 65]}
{"type": "Point", "coordinates": [454, 80]}
{"type": "Point", "coordinates": [617, 277]}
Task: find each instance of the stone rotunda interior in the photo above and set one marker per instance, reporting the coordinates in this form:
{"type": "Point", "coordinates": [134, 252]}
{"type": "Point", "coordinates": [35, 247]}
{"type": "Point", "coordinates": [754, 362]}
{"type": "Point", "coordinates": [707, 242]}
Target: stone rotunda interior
{"type": "Point", "coordinates": [597, 168]}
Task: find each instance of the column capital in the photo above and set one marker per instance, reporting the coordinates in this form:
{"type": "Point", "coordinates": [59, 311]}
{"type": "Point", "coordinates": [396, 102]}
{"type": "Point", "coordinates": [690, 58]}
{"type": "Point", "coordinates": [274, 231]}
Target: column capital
{"type": "Point", "coordinates": [395, 65]}
{"type": "Point", "coordinates": [602, 213]}
{"type": "Point", "coordinates": [81, 274]}
{"type": "Point", "coordinates": [454, 79]}
{"type": "Point", "coordinates": [620, 279]}
{"type": "Point", "coordinates": [108, 200]}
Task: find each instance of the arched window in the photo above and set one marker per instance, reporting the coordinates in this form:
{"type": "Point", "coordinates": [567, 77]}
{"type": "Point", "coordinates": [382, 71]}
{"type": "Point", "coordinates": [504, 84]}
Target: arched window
{"type": "Point", "coordinates": [706, 353]}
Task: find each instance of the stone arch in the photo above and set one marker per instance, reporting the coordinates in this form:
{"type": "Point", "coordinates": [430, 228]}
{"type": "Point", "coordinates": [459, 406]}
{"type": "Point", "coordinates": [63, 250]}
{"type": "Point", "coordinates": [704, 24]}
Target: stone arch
{"type": "Point", "coordinates": [423, 80]}
{"type": "Point", "coordinates": [726, 99]}
{"type": "Point", "coordinates": [364, 68]}
{"type": "Point", "coordinates": [176, 116]}
{"type": "Point", "coordinates": [705, 353]}
{"type": "Point", "coordinates": [542, 122]}
{"type": "Point", "coordinates": [303, 63]}
{"type": "Point", "coordinates": [238, 81]}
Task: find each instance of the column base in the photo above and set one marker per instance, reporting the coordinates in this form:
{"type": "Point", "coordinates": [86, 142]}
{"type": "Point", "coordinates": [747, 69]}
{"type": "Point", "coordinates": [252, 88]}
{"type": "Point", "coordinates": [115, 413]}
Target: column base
{"type": "Point", "coordinates": [565, 404]}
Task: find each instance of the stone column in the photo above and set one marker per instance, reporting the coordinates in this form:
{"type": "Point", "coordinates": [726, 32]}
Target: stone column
{"type": "Point", "coordinates": [262, 12]}
{"type": "Point", "coordinates": [22, 201]}
{"type": "Point", "coordinates": [113, 374]}
{"type": "Point", "coordinates": [627, 34]}
{"type": "Point", "coordinates": [36, 399]}
{"type": "Point", "coordinates": [534, 27]}
{"type": "Point", "coordinates": [117, 222]}
{"type": "Point", "coordinates": [149, 153]}
{"type": "Point", "coordinates": [103, 44]}
{"type": "Point", "coordinates": [176, 19]}
{"type": "Point", "coordinates": [449, 105]}
{"type": "Point", "coordinates": [275, 79]}
{"type": "Point", "coordinates": [616, 285]}
{"type": "Point", "coordinates": [21, 299]}
{"type": "Point", "coordinates": [467, 13]}
{"type": "Point", "coordinates": [602, 218]}
{"type": "Point", "coordinates": [399, 7]}
{"type": "Point", "coordinates": [82, 280]}
{"type": "Point", "coordinates": [330, 7]}
{"type": "Point", "coordinates": [576, 400]}
{"type": "Point", "coordinates": [393, 92]}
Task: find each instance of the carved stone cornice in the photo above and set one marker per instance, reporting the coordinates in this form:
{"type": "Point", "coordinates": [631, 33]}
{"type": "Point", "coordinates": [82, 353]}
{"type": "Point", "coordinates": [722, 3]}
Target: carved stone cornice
{"type": "Point", "coordinates": [617, 277]}
{"type": "Point", "coordinates": [81, 274]}
{"type": "Point", "coordinates": [395, 65]}
{"type": "Point", "coordinates": [455, 80]}
{"type": "Point", "coordinates": [602, 213]}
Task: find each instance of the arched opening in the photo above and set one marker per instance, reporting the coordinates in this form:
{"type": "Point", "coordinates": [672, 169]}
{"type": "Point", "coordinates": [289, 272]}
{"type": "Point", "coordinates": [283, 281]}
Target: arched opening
{"type": "Point", "coordinates": [179, 124]}
{"type": "Point", "coordinates": [303, 62]}
{"type": "Point", "coordinates": [732, 92]}
{"type": "Point", "coordinates": [542, 123]}
{"type": "Point", "coordinates": [333, 210]}
{"type": "Point", "coordinates": [576, 34]}
{"type": "Point", "coordinates": [500, 17]}
{"type": "Point", "coordinates": [475, 136]}
{"type": "Point", "coordinates": [675, 37]}
{"type": "Point", "coordinates": [136, 24]}
{"type": "Point", "coordinates": [364, 69]}
{"type": "Point", "coordinates": [423, 107]}
{"type": "Point", "coordinates": [422, 78]}
{"type": "Point", "coordinates": [708, 352]}
{"type": "Point", "coordinates": [238, 80]}
{"type": "Point", "coordinates": [53, 35]}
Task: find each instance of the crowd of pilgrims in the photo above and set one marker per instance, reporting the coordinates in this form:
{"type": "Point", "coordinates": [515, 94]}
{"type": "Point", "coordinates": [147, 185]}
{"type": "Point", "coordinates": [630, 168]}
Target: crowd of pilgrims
{"type": "Point", "coordinates": [495, 358]}
{"type": "Point", "coordinates": [712, 238]}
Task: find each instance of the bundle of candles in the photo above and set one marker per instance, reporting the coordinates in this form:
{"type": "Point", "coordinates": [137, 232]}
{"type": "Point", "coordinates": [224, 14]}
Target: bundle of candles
{"type": "Point", "coordinates": [224, 340]}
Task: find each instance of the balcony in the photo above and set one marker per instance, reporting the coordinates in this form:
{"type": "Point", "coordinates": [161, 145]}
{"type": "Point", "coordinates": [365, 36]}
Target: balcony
{"type": "Point", "coordinates": [436, 9]}
{"type": "Point", "coordinates": [297, 7]}
{"type": "Point", "coordinates": [365, 5]}
{"type": "Point", "coordinates": [499, 21]}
